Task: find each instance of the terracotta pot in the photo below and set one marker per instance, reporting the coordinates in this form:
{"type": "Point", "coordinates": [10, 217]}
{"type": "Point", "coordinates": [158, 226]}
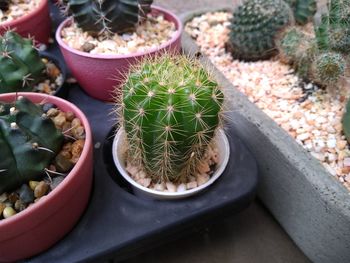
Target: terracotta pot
{"type": "Point", "coordinates": [41, 225]}
{"type": "Point", "coordinates": [97, 74]}
{"type": "Point", "coordinates": [119, 152]}
{"type": "Point", "coordinates": [36, 24]}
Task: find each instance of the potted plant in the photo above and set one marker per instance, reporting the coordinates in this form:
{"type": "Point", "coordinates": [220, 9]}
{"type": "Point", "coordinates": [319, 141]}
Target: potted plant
{"type": "Point", "coordinates": [23, 68]}
{"type": "Point", "coordinates": [29, 18]}
{"type": "Point", "coordinates": [302, 190]}
{"type": "Point", "coordinates": [101, 41]}
{"type": "Point", "coordinates": [46, 165]}
{"type": "Point", "coordinates": [168, 144]}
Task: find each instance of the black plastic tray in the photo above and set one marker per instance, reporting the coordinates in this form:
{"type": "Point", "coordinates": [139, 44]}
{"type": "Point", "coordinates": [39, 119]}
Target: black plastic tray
{"type": "Point", "coordinates": [118, 224]}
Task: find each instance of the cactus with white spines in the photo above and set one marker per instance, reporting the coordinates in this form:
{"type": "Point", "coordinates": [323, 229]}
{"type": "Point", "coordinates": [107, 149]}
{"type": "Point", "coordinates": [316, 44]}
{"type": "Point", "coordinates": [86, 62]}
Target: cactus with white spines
{"type": "Point", "coordinates": [170, 109]}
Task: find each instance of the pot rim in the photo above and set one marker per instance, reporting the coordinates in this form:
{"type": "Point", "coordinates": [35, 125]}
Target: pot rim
{"type": "Point", "coordinates": [154, 194]}
{"type": "Point", "coordinates": [173, 39]}
{"type": "Point", "coordinates": [22, 19]}
{"type": "Point", "coordinates": [34, 208]}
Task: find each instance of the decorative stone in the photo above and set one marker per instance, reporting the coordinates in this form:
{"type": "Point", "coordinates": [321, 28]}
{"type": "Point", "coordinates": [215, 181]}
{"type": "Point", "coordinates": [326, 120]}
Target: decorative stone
{"type": "Point", "coordinates": [41, 189]}
{"type": "Point", "coordinates": [26, 194]}
{"type": "Point", "coordinates": [8, 212]}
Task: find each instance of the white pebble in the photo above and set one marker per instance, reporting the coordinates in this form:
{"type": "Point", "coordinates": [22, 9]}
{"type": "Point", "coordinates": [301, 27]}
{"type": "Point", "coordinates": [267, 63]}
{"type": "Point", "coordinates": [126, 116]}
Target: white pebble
{"type": "Point", "coordinates": [181, 188]}
{"type": "Point", "coordinates": [170, 187]}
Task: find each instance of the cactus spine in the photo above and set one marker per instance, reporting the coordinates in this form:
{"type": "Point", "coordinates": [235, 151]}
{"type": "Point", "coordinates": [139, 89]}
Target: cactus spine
{"type": "Point", "coordinates": [20, 64]}
{"type": "Point", "coordinates": [254, 26]}
{"type": "Point", "coordinates": [108, 16]}
{"type": "Point", "coordinates": [170, 109]}
{"type": "Point", "coordinates": [28, 142]}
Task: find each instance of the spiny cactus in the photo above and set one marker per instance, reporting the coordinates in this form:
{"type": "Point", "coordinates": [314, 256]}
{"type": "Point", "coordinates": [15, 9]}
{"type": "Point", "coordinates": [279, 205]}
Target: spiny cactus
{"type": "Point", "coordinates": [328, 68]}
{"type": "Point", "coordinates": [303, 10]}
{"type": "Point", "coordinates": [254, 26]}
{"type": "Point", "coordinates": [170, 108]}
{"type": "Point", "coordinates": [297, 49]}
{"type": "Point", "coordinates": [332, 32]}
{"type": "Point", "coordinates": [20, 64]}
{"type": "Point", "coordinates": [108, 16]}
{"type": "Point", "coordinates": [28, 142]}
{"type": "Point", "coordinates": [4, 5]}
{"type": "Point", "coordinates": [346, 122]}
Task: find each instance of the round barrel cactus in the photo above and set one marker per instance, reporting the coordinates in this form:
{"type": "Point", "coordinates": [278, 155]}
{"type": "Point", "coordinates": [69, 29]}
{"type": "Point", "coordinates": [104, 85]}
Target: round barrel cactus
{"type": "Point", "coordinates": [28, 142]}
{"type": "Point", "coordinates": [21, 67]}
{"type": "Point", "coordinates": [108, 16]}
{"type": "Point", "coordinates": [170, 108]}
{"type": "Point", "coordinates": [254, 27]}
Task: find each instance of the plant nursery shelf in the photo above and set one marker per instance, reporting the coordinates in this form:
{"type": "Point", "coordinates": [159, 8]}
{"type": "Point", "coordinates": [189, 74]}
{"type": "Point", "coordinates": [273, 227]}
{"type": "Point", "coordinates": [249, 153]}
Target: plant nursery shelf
{"type": "Point", "coordinates": [119, 224]}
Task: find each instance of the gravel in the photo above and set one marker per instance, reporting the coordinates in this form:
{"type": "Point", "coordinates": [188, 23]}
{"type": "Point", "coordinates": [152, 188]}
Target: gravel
{"type": "Point", "coordinates": [152, 33]}
{"type": "Point", "coordinates": [309, 114]}
{"type": "Point", "coordinates": [18, 8]}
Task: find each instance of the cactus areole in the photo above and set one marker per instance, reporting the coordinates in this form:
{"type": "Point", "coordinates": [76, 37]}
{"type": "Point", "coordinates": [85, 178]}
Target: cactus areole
{"type": "Point", "coordinates": [170, 110]}
{"type": "Point", "coordinates": [28, 142]}
{"type": "Point", "coordinates": [108, 16]}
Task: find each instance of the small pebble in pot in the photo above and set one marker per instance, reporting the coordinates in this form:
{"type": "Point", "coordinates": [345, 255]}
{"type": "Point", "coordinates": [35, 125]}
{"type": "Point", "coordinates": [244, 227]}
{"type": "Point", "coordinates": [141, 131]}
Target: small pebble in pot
{"type": "Point", "coordinates": [48, 106]}
{"type": "Point", "coordinates": [2, 207]}
{"type": "Point", "coordinates": [19, 205]}
{"type": "Point", "coordinates": [41, 189]}
{"type": "Point", "coordinates": [62, 162]}
{"type": "Point", "coordinates": [53, 112]}
{"type": "Point", "coordinates": [56, 181]}
{"type": "Point", "coordinates": [26, 193]}
{"type": "Point", "coordinates": [8, 212]}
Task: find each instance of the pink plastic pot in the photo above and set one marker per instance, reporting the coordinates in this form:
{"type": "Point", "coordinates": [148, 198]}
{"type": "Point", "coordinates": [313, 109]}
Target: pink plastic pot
{"type": "Point", "coordinates": [41, 225]}
{"type": "Point", "coordinates": [36, 24]}
{"type": "Point", "coordinates": [97, 74]}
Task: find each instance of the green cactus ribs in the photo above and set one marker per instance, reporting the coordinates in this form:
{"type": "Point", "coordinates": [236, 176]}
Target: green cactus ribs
{"type": "Point", "coordinates": [28, 142]}
{"type": "Point", "coordinates": [108, 16]}
{"type": "Point", "coordinates": [20, 64]}
{"type": "Point", "coordinates": [254, 27]}
{"type": "Point", "coordinates": [170, 108]}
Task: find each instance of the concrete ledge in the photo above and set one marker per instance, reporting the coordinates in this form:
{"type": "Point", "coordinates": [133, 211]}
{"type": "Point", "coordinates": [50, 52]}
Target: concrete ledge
{"type": "Point", "coordinates": [309, 203]}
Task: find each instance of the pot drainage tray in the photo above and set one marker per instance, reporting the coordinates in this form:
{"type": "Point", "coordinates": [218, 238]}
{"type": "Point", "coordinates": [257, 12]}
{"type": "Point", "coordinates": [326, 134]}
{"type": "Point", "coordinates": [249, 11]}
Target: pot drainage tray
{"type": "Point", "coordinates": [118, 224]}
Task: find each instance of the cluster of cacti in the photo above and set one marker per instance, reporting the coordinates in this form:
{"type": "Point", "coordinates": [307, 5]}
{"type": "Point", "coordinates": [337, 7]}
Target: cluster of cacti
{"type": "Point", "coordinates": [108, 16]}
{"type": "Point", "coordinates": [170, 108]}
{"type": "Point", "coordinates": [323, 58]}
{"type": "Point", "coordinates": [4, 5]}
{"type": "Point", "coordinates": [303, 10]}
{"type": "Point", "coordinates": [254, 26]}
{"type": "Point", "coordinates": [28, 142]}
{"type": "Point", "coordinates": [21, 67]}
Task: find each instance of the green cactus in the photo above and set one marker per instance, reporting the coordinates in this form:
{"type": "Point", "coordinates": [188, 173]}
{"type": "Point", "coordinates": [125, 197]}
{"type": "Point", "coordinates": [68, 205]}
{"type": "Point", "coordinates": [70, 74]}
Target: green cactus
{"type": "Point", "coordinates": [28, 142]}
{"type": "Point", "coordinates": [170, 109]}
{"type": "Point", "coordinates": [332, 32]}
{"type": "Point", "coordinates": [303, 10]}
{"type": "Point", "coordinates": [297, 49]}
{"type": "Point", "coordinates": [4, 5]}
{"type": "Point", "coordinates": [21, 67]}
{"type": "Point", "coordinates": [254, 27]}
{"type": "Point", "coordinates": [328, 68]}
{"type": "Point", "coordinates": [108, 16]}
{"type": "Point", "coordinates": [346, 122]}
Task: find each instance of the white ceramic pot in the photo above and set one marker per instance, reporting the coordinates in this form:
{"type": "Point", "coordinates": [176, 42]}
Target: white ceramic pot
{"type": "Point", "coordinates": [119, 152]}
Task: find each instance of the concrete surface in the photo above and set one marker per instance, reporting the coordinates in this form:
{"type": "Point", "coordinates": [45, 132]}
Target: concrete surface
{"type": "Point", "coordinates": [252, 236]}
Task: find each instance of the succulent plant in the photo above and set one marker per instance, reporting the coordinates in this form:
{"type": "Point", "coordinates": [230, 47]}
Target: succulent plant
{"type": "Point", "coordinates": [254, 27]}
{"type": "Point", "coordinates": [303, 10]}
{"type": "Point", "coordinates": [328, 68]}
{"type": "Point", "coordinates": [4, 5]}
{"type": "Point", "coordinates": [346, 122]}
{"type": "Point", "coordinates": [297, 49]}
{"type": "Point", "coordinates": [170, 108]}
{"type": "Point", "coordinates": [108, 16]}
{"type": "Point", "coordinates": [332, 32]}
{"type": "Point", "coordinates": [28, 142]}
{"type": "Point", "coordinates": [20, 64]}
